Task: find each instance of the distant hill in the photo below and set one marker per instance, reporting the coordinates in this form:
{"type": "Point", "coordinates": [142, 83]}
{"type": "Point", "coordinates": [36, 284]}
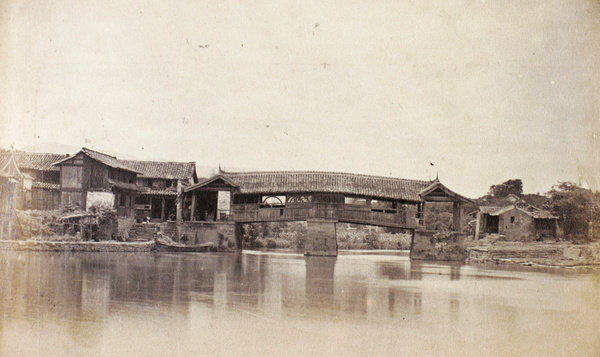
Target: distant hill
{"type": "Point", "coordinates": [53, 148]}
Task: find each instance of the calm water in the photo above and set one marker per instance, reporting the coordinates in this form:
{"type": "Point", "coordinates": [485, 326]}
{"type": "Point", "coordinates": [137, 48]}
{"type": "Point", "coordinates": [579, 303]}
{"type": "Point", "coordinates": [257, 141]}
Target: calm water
{"type": "Point", "coordinates": [259, 304]}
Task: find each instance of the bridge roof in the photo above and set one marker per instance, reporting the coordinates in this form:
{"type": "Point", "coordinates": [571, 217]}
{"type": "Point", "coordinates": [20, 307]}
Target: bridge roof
{"type": "Point", "coordinates": [333, 182]}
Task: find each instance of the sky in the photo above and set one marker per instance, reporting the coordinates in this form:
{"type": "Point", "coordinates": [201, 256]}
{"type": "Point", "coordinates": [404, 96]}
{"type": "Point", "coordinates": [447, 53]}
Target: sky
{"type": "Point", "coordinates": [477, 92]}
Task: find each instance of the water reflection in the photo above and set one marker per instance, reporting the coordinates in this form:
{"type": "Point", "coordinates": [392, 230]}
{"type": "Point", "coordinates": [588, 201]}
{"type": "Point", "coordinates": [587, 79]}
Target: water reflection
{"type": "Point", "coordinates": [87, 293]}
{"type": "Point", "coordinates": [88, 286]}
{"type": "Point", "coordinates": [320, 290]}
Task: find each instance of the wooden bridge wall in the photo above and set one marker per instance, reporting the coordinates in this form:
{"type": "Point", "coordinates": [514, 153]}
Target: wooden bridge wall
{"type": "Point", "coordinates": [404, 215]}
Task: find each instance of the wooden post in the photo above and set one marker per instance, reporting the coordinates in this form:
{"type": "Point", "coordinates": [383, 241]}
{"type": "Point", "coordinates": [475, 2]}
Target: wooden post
{"type": "Point", "coordinates": [477, 225]}
{"type": "Point", "coordinates": [179, 202]}
{"type": "Point", "coordinates": [162, 209]}
{"type": "Point", "coordinates": [179, 205]}
{"type": "Point", "coordinates": [192, 214]}
{"type": "Point", "coordinates": [457, 216]}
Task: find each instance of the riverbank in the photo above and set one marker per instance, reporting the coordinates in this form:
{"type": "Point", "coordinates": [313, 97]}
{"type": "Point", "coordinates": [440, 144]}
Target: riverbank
{"type": "Point", "coordinates": [58, 246]}
{"type": "Point", "coordinates": [556, 254]}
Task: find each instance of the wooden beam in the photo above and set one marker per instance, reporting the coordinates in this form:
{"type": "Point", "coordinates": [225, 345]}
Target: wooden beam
{"type": "Point", "coordinates": [457, 216]}
{"type": "Point", "coordinates": [179, 202]}
{"type": "Point", "coordinates": [192, 217]}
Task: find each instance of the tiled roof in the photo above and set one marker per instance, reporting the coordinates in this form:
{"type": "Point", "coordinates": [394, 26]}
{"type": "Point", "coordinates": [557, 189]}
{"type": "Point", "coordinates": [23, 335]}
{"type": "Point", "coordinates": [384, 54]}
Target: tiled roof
{"type": "Point", "coordinates": [364, 185]}
{"type": "Point", "coordinates": [124, 185]}
{"type": "Point", "coordinates": [46, 185]}
{"type": "Point", "coordinates": [491, 210]}
{"type": "Point", "coordinates": [166, 192]}
{"type": "Point", "coordinates": [543, 214]}
{"type": "Point", "coordinates": [436, 188]}
{"type": "Point", "coordinates": [33, 161]}
{"type": "Point", "coordinates": [164, 170]}
{"type": "Point", "coordinates": [530, 210]}
{"type": "Point", "coordinates": [103, 158]}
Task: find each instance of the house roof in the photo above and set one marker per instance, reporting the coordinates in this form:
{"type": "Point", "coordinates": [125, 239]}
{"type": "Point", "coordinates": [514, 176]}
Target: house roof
{"type": "Point", "coordinates": [304, 182]}
{"type": "Point", "coordinates": [436, 188]}
{"type": "Point", "coordinates": [154, 192]}
{"type": "Point", "coordinates": [530, 210]}
{"type": "Point", "coordinates": [208, 181]}
{"type": "Point", "coordinates": [164, 170]}
{"type": "Point", "coordinates": [101, 157]}
{"type": "Point", "coordinates": [491, 210]}
{"type": "Point", "coordinates": [124, 185]}
{"type": "Point", "coordinates": [9, 169]}
{"type": "Point", "coordinates": [32, 161]}
{"type": "Point", "coordinates": [543, 214]}
{"type": "Point", "coordinates": [46, 186]}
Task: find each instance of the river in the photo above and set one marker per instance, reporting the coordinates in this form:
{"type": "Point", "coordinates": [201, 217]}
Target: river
{"type": "Point", "coordinates": [276, 304]}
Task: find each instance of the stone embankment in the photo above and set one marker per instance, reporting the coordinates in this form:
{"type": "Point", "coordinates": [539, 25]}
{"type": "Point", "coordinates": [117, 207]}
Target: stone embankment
{"type": "Point", "coordinates": [560, 254]}
{"type": "Point", "coordinates": [143, 232]}
{"type": "Point", "coordinates": [110, 246]}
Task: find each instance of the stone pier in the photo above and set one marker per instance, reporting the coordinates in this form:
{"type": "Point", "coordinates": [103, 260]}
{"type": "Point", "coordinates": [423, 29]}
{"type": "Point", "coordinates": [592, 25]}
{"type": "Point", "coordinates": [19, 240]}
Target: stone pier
{"type": "Point", "coordinates": [321, 238]}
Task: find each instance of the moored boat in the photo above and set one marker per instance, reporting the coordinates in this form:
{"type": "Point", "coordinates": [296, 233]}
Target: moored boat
{"type": "Point", "coordinates": [166, 244]}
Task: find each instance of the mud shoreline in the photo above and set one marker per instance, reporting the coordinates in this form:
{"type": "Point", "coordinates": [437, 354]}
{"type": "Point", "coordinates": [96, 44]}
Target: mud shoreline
{"type": "Point", "coordinates": [554, 254]}
{"type": "Point", "coordinates": [54, 246]}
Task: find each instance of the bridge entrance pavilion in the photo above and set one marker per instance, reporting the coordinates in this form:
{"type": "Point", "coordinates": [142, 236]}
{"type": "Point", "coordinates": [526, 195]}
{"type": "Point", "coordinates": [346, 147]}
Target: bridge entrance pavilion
{"type": "Point", "coordinates": [449, 245]}
{"type": "Point", "coordinates": [437, 192]}
{"type": "Point", "coordinates": [322, 199]}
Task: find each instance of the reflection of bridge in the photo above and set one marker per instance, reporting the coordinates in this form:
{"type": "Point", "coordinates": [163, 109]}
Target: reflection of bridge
{"type": "Point", "coordinates": [321, 199]}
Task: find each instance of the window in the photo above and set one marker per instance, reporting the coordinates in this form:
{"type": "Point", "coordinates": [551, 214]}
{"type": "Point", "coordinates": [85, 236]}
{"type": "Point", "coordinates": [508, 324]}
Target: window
{"type": "Point", "coordinates": [299, 198]}
{"type": "Point", "coordinates": [512, 219]}
{"type": "Point", "coordinates": [71, 176]}
{"type": "Point", "coordinates": [242, 199]}
{"type": "Point", "coordinates": [124, 200]}
{"type": "Point", "coordinates": [142, 200]}
{"type": "Point", "coordinates": [383, 206]}
{"type": "Point", "coordinates": [355, 201]}
{"type": "Point", "coordinates": [273, 201]}
{"type": "Point", "coordinates": [420, 213]}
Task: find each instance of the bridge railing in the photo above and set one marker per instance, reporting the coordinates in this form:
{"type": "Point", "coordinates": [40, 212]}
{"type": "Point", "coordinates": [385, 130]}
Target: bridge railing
{"type": "Point", "coordinates": [302, 211]}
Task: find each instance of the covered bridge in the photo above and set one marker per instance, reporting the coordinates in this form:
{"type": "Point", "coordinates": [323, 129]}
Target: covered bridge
{"type": "Point", "coordinates": [315, 196]}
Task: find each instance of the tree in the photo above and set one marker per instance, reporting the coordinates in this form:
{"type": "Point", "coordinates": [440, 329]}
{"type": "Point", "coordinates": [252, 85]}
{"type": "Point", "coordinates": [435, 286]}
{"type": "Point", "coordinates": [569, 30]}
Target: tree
{"type": "Point", "coordinates": [506, 188]}
{"type": "Point", "coordinates": [578, 208]}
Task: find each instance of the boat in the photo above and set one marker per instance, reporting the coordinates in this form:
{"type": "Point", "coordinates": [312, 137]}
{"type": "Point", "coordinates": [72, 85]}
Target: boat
{"type": "Point", "coordinates": [166, 244]}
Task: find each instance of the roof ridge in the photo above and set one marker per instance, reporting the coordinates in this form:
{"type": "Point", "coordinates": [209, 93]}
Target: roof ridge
{"type": "Point", "coordinates": [164, 162]}
{"type": "Point", "coordinates": [323, 172]}
{"type": "Point", "coordinates": [98, 152]}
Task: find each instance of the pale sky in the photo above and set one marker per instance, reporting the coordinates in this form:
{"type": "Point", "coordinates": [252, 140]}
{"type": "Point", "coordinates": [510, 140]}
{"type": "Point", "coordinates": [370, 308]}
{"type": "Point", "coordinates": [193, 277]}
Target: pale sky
{"type": "Point", "coordinates": [485, 90]}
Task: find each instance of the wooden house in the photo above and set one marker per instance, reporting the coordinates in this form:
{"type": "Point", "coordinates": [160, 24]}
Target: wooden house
{"type": "Point", "coordinates": [41, 178]}
{"type": "Point", "coordinates": [158, 182]}
{"type": "Point", "coordinates": [92, 178]}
